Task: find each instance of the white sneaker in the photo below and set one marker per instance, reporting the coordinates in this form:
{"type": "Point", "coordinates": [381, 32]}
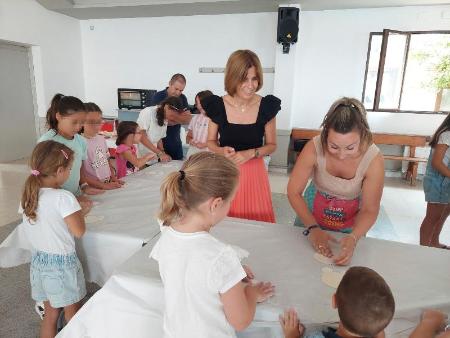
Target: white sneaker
{"type": "Point", "coordinates": [39, 308]}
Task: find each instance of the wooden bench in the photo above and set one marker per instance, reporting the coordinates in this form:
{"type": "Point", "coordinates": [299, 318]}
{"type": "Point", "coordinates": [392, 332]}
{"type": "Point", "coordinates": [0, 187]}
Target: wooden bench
{"type": "Point", "coordinates": [412, 141]}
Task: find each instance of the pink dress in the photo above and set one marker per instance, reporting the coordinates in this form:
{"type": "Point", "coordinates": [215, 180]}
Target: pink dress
{"type": "Point", "coordinates": [96, 164]}
{"type": "Point", "coordinates": [123, 167]}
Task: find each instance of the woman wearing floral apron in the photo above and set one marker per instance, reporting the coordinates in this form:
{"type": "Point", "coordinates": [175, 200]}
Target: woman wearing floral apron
{"type": "Point", "coordinates": [347, 173]}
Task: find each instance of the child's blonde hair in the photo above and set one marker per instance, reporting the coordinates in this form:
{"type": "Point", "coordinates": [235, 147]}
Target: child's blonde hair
{"type": "Point", "coordinates": [202, 176]}
{"type": "Point", "coordinates": [45, 160]}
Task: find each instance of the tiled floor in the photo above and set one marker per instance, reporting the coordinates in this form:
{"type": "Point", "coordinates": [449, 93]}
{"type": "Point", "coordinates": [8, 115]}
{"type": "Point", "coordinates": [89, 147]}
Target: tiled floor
{"type": "Point", "coordinates": [403, 204]}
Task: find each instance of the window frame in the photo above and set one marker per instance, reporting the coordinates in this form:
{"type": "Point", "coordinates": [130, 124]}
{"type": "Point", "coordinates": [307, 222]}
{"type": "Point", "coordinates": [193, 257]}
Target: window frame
{"type": "Point", "coordinates": [383, 49]}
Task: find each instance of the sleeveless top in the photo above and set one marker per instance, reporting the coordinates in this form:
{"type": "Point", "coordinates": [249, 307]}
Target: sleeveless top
{"type": "Point", "coordinates": [342, 188]}
{"type": "Point", "coordinates": [241, 136]}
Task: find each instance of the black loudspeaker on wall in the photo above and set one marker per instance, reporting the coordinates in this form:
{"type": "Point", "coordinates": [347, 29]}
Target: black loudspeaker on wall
{"type": "Point", "coordinates": [287, 31]}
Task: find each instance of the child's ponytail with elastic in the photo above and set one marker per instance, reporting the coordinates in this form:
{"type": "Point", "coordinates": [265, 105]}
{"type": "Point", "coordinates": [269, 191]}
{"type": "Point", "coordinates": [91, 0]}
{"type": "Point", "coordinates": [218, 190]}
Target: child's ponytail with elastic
{"type": "Point", "coordinates": [172, 196]}
{"type": "Point", "coordinates": [204, 175]}
{"type": "Point", "coordinates": [65, 106]}
{"type": "Point", "coordinates": [30, 196]}
{"type": "Point", "coordinates": [52, 123]}
{"type": "Point", "coordinates": [45, 160]}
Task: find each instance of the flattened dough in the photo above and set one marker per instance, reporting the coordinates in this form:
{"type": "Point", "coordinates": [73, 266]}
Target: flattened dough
{"type": "Point", "coordinates": [331, 278]}
{"type": "Point", "coordinates": [323, 259]}
{"type": "Point", "coordinates": [94, 219]}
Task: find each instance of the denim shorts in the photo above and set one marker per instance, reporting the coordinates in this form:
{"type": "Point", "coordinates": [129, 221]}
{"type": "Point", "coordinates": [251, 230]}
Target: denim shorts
{"type": "Point", "coordinates": [436, 186]}
{"type": "Point", "coordinates": [436, 189]}
{"type": "Point", "coordinates": [57, 278]}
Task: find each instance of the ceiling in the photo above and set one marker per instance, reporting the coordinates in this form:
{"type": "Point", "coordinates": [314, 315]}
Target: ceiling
{"type": "Point", "coordinates": [102, 9]}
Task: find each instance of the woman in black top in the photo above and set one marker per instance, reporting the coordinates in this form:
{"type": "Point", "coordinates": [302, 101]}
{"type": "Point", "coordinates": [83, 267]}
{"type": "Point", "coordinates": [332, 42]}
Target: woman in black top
{"type": "Point", "coordinates": [246, 124]}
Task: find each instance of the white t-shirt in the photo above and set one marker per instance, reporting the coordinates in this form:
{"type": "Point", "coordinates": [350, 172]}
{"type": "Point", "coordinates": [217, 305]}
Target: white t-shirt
{"type": "Point", "coordinates": [195, 268]}
{"type": "Point", "coordinates": [147, 121]}
{"type": "Point", "coordinates": [49, 233]}
{"type": "Point", "coordinates": [444, 138]}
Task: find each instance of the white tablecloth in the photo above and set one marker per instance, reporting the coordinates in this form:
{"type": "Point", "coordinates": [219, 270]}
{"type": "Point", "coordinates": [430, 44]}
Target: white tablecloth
{"type": "Point", "coordinates": [131, 302]}
{"type": "Point", "coordinates": [129, 222]}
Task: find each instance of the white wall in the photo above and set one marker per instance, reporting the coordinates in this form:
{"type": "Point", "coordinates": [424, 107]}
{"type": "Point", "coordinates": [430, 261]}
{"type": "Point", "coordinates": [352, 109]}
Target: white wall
{"type": "Point", "coordinates": [145, 52]}
{"type": "Point", "coordinates": [55, 41]}
{"type": "Point", "coordinates": [331, 61]}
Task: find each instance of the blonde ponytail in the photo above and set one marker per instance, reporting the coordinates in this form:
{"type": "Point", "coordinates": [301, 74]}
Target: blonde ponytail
{"type": "Point", "coordinates": [30, 196]}
{"type": "Point", "coordinates": [172, 197]}
{"type": "Point", "coordinates": [202, 176]}
{"type": "Point", "coordinates": [45, 160]}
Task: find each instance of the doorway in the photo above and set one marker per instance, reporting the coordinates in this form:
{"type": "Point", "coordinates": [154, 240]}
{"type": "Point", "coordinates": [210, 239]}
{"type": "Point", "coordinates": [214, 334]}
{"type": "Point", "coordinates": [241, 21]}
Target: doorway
{"type": "Point", "coordinates": [17, 110]}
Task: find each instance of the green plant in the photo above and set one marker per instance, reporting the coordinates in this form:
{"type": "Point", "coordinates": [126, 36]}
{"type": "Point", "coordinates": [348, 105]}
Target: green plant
{"type": "Point", "coordinates": [441, 78]}
{"type": "Point", "coordinates": [439, 61]}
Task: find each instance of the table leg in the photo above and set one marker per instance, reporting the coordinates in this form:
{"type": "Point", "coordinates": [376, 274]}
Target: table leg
{"type": "Point", "coordinates": [415, 166]}
{"type": "Point", "coordinates": [412, 167]}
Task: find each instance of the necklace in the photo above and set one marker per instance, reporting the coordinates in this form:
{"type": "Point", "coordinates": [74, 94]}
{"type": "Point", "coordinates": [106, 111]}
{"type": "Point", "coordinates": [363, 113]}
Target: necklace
{"type": "Point", "coordinates": [241, 107]}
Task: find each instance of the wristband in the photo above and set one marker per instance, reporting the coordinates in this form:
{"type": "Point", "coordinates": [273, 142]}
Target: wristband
{"type": "Point", "coordinates": [308, 229]}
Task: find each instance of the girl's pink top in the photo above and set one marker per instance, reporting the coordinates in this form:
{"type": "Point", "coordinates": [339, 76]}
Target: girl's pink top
{"type": "Point", "coordinates": [121, 163]}
{"type": "Point", "coordinates": [199, 127]}
{"type": "Point", "coordinates": [96, 164]}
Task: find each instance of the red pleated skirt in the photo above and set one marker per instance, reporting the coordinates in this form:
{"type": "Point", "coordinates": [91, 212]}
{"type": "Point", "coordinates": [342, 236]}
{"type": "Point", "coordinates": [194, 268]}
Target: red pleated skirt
{"type": "Point", "coordinates": [253, 199]}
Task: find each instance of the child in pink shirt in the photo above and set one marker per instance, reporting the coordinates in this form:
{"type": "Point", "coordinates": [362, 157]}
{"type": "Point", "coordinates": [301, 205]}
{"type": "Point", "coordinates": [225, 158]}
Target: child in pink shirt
{"type": "Point", "coordinates": [198, 127]}
{"type": "Point", "coordinates": [97, 167]}
{"type": "Point", "coordinates": [127, 162]}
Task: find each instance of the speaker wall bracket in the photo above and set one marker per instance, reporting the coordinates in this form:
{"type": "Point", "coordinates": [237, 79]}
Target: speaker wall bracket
{"type": "Point", "coordinates": [286, 47]}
